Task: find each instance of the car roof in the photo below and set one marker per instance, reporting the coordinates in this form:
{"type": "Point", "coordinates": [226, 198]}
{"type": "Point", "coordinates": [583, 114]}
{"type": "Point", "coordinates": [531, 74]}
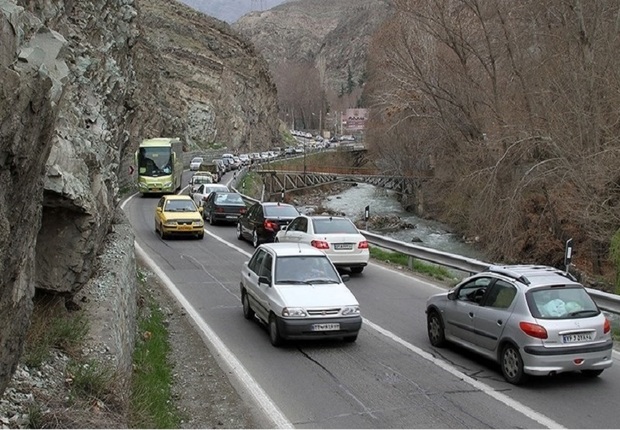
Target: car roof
{"type": "Point", "coordinates": [534, 275]}
{"type": "Point", "coordinates": [288, 249]}
{"type": "Point", "coordinates": [177, 197]}
{"type": "Point", "coordinates": [274, 204]}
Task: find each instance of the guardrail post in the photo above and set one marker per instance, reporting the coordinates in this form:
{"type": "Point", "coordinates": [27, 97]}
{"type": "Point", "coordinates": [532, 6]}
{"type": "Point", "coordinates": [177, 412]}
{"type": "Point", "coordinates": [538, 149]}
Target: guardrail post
{"type": "Point", "coordinates": [410, 261]}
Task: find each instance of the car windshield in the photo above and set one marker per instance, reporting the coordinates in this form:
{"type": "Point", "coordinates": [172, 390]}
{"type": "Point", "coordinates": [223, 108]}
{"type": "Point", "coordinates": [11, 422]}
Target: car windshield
{"type": "Point", "coordinates": [334, 225]}
{"type": "Point", "coordinates": [561, 302]}
{"type": "Point", "coordinates": [314, 269]}
{"type": "Point", "coordinates": [280, 210]}
{"type": "Point", "coordinates": [197, 160]}
{"type": "Point", "coordinates": [180, 206]}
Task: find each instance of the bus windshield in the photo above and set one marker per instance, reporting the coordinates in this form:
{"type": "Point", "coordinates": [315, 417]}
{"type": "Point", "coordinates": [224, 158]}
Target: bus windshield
{"type": "Point", "coordinates": [154, 161]}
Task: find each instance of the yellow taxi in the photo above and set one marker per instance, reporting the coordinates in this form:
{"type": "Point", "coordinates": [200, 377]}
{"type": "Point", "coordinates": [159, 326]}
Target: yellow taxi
{"type": "Point", "coordinates": [178, 215]}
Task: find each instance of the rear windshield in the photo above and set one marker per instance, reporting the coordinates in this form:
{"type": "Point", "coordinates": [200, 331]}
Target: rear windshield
{"type": "Point", "coordinates": [280, 210]}
{"type": "Point", "coordinates": [228, 198]}
{"type": "Point", "coordinates": [334, 225]}
{"type": "Point", "coordinates": [561, 302]}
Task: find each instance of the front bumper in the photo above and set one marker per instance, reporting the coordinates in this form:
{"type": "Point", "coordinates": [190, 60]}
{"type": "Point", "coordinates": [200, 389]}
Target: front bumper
{"type": "Point", "coordinates": [180, 231]}
{"type": "Point", "coordinates": [302, 328]}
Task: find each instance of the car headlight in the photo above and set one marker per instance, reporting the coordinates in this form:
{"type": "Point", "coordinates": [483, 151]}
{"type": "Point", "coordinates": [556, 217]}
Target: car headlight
{"type": "Point", "coordinates": [167, 184]}
{"type": "Point", "coordinates": [351, 310]}
{"type": "Point", "coordinates": [170, 223]}
{"type": "Point", "coordinates": [142, 186]}
{"type": "Point", "coordinates": [294, 312]}
{"type": "Point", "coordinates": [198, 223]}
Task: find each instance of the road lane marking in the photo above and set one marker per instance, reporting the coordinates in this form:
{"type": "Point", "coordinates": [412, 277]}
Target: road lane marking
{"type": "Point", "coordinates": [490, 391]}
{"type": "Point", "coordinates": [258, 394]}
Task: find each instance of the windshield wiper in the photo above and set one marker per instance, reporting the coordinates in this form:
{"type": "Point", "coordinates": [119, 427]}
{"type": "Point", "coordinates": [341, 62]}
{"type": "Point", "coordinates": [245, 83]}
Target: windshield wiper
{"type": "Point", "coordinates": [291, 281]}
{"type": "Point", "coordinates": [583, 311]}
{"type": "Point", "coordinates": [322, 281]}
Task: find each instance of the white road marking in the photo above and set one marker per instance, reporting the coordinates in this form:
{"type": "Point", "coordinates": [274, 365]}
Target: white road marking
{"type": "Point", "coordinates": [519, 407]}
{"type": "Point", "coordinates": [235, 366]}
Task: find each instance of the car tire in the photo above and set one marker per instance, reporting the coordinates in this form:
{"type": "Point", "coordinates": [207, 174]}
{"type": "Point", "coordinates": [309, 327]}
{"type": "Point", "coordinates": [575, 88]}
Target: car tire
{"type": "Point", "coordinates": [200, 236]}
{"type": "Point", "coordinates": [255, 239]}
{"type": "Point", "coordinates": [350, 339]}
{"type": "Point", "coordinates": [592, 373]}
{"type": "Point", "coordinates": [357, 269]}
{"type": "Point", "coordinates": [162, 234]}
{"type": "Point", "coordinates": [239, 233]}
{"type": "Point", "coordinates": [211, 219]}
{"type": "Point", "coordinates": [274, 332]}
{"type": "Point", "coordinates": [512, 365]}
{"type": "Point", "coordinates": [435, 329]}
{"type": "Point", "coordinates": [248, 312]}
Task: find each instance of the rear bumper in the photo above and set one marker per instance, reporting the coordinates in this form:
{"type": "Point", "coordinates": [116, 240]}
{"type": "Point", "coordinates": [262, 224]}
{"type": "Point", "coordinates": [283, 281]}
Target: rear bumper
{"type": "Point", "coordinates": [543, 361]}
{"type": "Point", "coordinates": [349, 260]}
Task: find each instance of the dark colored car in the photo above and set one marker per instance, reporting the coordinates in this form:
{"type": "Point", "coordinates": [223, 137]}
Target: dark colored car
{"type": "Point", "coordinates": [223, 207]}
{"type": "Point", "coordinates": [263, 220]}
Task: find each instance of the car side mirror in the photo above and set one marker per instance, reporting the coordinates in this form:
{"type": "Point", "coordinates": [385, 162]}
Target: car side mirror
{"type": "Point", "coordinates": [452, 295]}
{"type": "Point", "coordinates": [345, 277]}
{"type": "Point", "coordinates": [264, 280]}
{"type": "Point", "coordinates": [158, 209]}
{"type": "Point", "coordinates": [200, 209]}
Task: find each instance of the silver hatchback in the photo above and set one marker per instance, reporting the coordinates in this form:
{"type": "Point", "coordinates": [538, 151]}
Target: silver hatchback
{"type": "Point", "coordinates": [532, 320]}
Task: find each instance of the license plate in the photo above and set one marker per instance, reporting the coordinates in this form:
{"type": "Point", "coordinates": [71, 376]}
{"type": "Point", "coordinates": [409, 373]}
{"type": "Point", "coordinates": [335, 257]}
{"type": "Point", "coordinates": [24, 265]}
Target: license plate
{"type": "Point", "coordinates": [343, 246]}
{"type": "Point", "coordinates": [185, 227]}
{"type": "Point", "coordinates": [576, 337]}
{"type": "Point", "coordinates": [155, 189]}
{"type": "Point", "coordinates": [325, 327]}
{"type": "Point", "coordinates": [232, 216]}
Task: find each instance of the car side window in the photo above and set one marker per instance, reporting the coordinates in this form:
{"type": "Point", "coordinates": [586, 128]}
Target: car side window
{"type": "Point", "coordinates": [474, 290]}
{"type": "Point", "coordinates": [161, 203]}
{"type": "Point", "coordinates": [293, 225]}
{"type": "Point", "coordinates": [501, 295]}
{"type": "Point", "coordinates": [256, 261]}
{"type": "Point", "coordinates": [303, 225]}
{"type": "Point", "coordinates": [266, 265]}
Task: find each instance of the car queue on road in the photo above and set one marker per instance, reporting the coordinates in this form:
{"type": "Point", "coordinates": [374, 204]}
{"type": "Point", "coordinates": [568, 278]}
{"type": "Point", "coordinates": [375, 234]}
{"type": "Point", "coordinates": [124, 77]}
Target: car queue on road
{"type": "Point", "coordinates": [581, 333]}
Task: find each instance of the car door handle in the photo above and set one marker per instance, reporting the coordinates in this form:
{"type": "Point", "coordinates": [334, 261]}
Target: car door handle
{"type": "Point", "coordinates": [500, 322]}
{"type": "Point", "coordinates": [471, 314]}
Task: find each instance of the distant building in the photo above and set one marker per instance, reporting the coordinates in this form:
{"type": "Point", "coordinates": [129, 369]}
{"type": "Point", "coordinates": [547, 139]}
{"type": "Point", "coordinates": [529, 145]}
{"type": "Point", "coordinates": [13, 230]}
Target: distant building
{"type": "Point", "coordinates": [354, 120]}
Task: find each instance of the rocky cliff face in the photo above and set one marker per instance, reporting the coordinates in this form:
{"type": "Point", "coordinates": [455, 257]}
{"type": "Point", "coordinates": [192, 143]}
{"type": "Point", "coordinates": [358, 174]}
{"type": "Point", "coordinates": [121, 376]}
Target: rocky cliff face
{"type": "Point", "coordinates": [83, 82]}
{"type": "Point", "coordinates": [333, 34]}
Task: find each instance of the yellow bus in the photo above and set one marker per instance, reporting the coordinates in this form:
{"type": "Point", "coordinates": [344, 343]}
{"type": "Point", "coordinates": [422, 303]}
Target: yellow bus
{"type": "Point", "coordinates": [160, 165]}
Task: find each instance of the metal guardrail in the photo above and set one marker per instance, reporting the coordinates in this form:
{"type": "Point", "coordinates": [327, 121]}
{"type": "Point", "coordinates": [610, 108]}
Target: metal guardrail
{"type": "Point", "coordinates": [606, 301]}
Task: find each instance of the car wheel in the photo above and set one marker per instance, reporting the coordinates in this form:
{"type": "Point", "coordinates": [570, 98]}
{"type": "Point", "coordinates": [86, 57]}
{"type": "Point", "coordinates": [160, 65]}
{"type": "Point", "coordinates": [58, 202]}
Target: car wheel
{"type": "Point", "coordinates": [239, 233]}
{"type": "Point", "coordinates": [255, 239]}
{"type": "Point", "coordinates": [200, 236]}
{"type": "Point", "coordinates": [357, 269]}
{"type": "Point", "coordinates": [161, 233]}
{"type": "Point", "coordinates": [436, 333]}
{"type": "Point", "coordinates": [248, 312]}
{"type": "Point", "coordinates": [274, 333]}
{"type": "Point", "coordinates": [211, 219]}
{"type": "Point", "coordinates": [592, 373]}
{"type": "Point", "coordinates": [350, 339]}
{"type": "Point", "coordinates": [512, 365]}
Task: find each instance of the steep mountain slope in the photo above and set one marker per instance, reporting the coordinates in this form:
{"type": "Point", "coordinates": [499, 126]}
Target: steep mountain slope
{"type": "Point", "coordinates": [230, 11]}
{"type": "Point", "coordinates": [333, 34]}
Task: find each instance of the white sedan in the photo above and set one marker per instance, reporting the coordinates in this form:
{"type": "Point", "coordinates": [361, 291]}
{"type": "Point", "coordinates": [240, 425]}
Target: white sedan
{"type": "Point", "coordinates": [336, 236]}
{"type": "Point", "coordinates": [201, 193]}
{"type": "Point", "coordinates": [195, 163]}
{"type": "Point", "coordinates": [297, 292]}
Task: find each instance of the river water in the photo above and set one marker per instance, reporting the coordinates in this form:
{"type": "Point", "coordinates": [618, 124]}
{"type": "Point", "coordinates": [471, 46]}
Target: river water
{"type": "Point", "coordinates": [383, 202]}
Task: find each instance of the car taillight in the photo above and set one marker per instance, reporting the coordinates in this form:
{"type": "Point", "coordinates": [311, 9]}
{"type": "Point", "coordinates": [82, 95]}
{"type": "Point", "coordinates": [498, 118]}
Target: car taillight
{"type": "Point", "coordinates": [533, 330]}
{"type": "Point", "coordinates": [243, 210]}
{"type": "Point", "coordinates": [363, 244]}
{"type": "Point", "coordinates": [320, 244]}
{"type": "Point", "coordinates": [270, 225]}
{"type": "Point", "coordinates": [606, 326]}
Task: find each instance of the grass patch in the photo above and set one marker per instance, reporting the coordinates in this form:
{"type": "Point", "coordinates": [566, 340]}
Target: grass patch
{"type": "Point", "coordinates": [52, 326]}
{"type": "Point", "coordinates": [90, 380]}
{"type": "Point", "coordinates": [151, 405]}
{"type": "Point", "coordinates": [432, 270]}
{"type": "Point", "coordinates": [251, 185]}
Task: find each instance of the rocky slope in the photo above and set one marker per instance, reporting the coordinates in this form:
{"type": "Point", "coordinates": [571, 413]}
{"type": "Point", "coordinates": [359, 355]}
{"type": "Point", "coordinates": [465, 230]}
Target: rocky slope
{"type": "Point", "coordinates": [82, 84]}
{"type": "Point", "coordinates": [332, 34]}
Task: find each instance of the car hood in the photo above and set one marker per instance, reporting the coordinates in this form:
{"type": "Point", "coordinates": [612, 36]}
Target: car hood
{"type": "Point", "coordinates": [176, 216]}
{"type": "Point", "coordinates": [319, 295]}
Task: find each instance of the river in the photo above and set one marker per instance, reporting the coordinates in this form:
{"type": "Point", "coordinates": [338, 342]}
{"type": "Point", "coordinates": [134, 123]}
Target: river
{"type": "Point", "coordinates": [383, 202]}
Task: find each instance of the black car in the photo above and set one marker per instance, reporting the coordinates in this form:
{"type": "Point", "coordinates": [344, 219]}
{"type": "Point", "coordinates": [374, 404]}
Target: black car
{"type": "Point", "coordinates": [263, 220]}
{"type": "Point", "coordinates": [223, 207]}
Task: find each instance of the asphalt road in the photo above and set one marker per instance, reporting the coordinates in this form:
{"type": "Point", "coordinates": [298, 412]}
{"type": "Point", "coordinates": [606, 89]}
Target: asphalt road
{"type": "Point", "coordinates": [390, 378]}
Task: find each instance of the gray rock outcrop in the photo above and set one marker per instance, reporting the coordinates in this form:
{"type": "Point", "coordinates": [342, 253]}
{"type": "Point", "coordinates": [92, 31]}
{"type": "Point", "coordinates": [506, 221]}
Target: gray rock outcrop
{"type": "Point", "coordinates": [83, 82]}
